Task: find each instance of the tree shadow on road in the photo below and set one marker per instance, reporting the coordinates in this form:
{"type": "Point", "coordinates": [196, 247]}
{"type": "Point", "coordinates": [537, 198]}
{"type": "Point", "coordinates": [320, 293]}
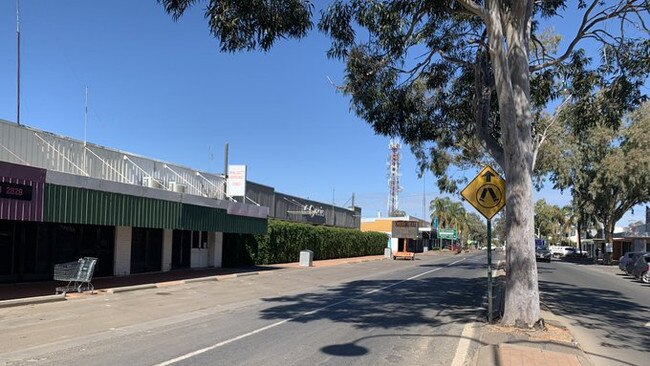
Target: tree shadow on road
{"type": "Point", "coordinates": [608, 311]}
{"type": "Point", "coordinates": [387, 304]}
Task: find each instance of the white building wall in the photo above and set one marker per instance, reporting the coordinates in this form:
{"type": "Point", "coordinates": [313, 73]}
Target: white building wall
{"type": "Point", "coordinates": [167, 250]}
{"type": "Point", "coordinates": [394, 244]}
{"type": "Point", "coordinates": [215, 249]}
{"type": "Point", "coordinates": [199, 256]}
{"type": "Point", "coordinates": [122, 251]}
{"type": "Point", "coordinates": [639, 245]}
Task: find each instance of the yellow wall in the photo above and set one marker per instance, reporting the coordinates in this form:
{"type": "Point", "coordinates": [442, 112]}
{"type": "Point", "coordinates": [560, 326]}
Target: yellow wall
{"type": "Point", "coordinates": [378, 225]}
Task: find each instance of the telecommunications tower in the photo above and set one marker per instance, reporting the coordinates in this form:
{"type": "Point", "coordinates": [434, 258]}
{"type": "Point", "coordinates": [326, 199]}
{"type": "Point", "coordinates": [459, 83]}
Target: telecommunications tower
{"type": "Point", "coordinates": [393, 177]}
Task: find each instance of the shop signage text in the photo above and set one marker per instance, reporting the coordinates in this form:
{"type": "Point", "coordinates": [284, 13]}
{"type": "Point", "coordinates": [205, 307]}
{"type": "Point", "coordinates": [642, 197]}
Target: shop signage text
{"type": "Point", "coordinates": [15, 191]}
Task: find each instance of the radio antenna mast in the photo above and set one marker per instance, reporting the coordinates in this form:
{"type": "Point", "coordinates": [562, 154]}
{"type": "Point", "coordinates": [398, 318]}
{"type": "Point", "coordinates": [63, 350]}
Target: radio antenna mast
{"type": "Point", "coordinates": [393, 177]}
{"type": "Point", "coordinates": [18, 61]}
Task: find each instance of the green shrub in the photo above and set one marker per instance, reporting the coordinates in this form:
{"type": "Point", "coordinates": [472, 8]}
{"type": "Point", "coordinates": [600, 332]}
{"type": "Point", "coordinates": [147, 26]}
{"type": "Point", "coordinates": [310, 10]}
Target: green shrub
{"type": "Point", "coordinates": [283, 242]}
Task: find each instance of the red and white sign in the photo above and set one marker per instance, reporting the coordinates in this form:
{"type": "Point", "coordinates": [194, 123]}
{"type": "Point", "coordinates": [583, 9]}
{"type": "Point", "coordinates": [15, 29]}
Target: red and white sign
{"type": "Point", "coordinates": [236, 184]}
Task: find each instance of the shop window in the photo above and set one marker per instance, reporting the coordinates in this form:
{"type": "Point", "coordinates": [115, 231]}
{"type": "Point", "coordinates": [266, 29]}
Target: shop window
{"type": "Point", "coordinates": [66, 238]}
{"type": "Point", "coordinates": [196, 240]}
{"type": "Point", "coordinates": [146, 250]}
{"type": "Point", "coordinates": [6, 247]}
{"type": "Point", "coordinates": [204, 239]}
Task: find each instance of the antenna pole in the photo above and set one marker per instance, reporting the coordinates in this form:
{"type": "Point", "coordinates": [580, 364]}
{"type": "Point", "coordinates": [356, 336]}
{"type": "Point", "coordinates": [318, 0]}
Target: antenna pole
{"type": "Point", "coordinates": [18, 62]}
{"type": "Point", "coordinates": [225, 171]}
{"type": "Point", "coordinates": [85, 128]}
{"type": "Point", "coordinates": [86, 117]}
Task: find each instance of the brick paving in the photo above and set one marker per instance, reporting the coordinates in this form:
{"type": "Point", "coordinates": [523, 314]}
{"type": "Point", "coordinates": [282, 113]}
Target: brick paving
{"type": "Point", "coordinates": [510, 355]}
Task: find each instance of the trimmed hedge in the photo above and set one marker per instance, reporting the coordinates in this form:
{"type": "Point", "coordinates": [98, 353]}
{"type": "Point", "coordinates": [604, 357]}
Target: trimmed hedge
{"type": "Point", "coordinates": [283, 242]}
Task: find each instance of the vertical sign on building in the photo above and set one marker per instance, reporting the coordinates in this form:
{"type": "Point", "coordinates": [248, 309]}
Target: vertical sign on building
{"type": "Point", "coordinates": [236, 184]}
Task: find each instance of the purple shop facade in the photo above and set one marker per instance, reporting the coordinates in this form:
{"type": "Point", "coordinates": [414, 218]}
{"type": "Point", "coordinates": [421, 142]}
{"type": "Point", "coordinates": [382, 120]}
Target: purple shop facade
{"type": "Point", "coordinates": [22, 191]}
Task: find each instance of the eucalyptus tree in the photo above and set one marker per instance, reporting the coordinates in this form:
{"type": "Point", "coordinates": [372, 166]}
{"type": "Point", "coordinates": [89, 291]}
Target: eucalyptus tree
{"type": "Point", "coordinates": [456, 79]}
{"type": "Point", "coordinates": [499, 230]}
{"type": "Point", "coordinates": [607, 167]}
{"type": "Point", "coordinates": [548, 219]}
{"type": "Point", "coordinates": [476, 228]}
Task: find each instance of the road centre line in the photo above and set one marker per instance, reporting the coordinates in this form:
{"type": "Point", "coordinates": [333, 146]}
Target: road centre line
{"type": "Point", "coordinates": [259, 330]}
{"type": "Point", "coordinates": [451, 264]}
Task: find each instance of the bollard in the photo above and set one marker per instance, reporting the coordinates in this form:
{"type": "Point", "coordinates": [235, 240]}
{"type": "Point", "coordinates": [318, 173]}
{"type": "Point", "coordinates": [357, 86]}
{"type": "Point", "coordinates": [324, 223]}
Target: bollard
{"type": "Point", "coordinates": [306, 258]}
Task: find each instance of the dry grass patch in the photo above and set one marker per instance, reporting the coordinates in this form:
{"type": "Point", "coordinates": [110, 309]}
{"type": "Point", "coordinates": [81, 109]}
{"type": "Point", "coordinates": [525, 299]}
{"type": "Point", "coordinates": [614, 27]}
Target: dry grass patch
{"type": "Point", "coordinates": [552, 332]}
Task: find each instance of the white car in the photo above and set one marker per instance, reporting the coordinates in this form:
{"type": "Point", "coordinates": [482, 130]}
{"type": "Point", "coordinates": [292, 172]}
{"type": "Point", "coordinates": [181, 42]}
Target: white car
{"type": "Point", "coordinates": [559, 251]}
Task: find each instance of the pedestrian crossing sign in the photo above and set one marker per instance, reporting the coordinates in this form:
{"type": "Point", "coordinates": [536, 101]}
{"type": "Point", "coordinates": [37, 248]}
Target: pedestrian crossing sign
{"type": "Point", "coordinates": [486, 192]}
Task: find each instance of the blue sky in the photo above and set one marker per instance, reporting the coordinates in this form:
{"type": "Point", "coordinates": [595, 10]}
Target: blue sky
{"type": "Point", "coordinates": [161, 89]}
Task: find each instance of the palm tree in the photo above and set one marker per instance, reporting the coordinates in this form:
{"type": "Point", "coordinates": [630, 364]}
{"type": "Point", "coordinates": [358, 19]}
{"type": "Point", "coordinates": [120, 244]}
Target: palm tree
{"type": "Point", "coordinates": [439, 208]}
{"type": "Point", "coordinates": [458, 218]}
{"type": "Point", "coordinates": [450, 214]}
{"type": "Point", "coordinates": [567, 218]}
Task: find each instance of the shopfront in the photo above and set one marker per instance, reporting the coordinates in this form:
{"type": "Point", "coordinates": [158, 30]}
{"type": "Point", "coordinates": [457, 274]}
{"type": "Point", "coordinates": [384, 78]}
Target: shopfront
{"type": "Point", "coordinates": [49, 217]}
{"type": "Point", "coordinates": [21, 208]}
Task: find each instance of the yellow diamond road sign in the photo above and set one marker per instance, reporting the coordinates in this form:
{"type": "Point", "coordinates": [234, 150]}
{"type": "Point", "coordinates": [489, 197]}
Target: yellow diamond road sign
{"type": "Point", "coordinates": [487, 192]}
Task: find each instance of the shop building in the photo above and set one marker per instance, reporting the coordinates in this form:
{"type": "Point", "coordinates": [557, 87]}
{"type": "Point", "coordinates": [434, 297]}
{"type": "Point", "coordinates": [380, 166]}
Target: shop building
{"type": "Point", "coordinates": [62, 199]}
{"type": "Point", "coordinates": [391, 226]}
{"type": "Point", "coordinates": [60, 217]}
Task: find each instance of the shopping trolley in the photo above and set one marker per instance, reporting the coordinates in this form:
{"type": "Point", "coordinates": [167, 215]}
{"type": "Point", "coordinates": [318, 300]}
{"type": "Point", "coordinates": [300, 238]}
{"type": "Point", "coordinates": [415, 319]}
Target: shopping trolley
{"type": "Point", "coordinates": [78, 275]}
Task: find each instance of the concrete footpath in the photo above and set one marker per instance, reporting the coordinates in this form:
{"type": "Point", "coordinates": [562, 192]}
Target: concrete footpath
{"type": "Point", "coordinates": [506, 346]}
{"type": "Point", "coordinates": [43, 292]}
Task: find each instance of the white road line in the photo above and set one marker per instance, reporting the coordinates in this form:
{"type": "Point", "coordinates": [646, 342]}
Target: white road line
{"type": "Point", "coordinates": [463, 345]}
{"type": "Point", "coordinates": [223, 343]}
{"type": "Point", "coordinates": [206, 349]}
{"type": "Point", "coordinates": [451, 264]}
{"type": "Point", "coordinates": [647, 324]}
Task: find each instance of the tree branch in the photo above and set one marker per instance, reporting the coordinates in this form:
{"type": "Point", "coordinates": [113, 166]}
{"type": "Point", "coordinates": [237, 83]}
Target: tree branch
{"type": "Point", "coordinates": [576, 39]}
{"type": "Point", "coordinates": [588, 22]}
{"type": "Point", "coordinates": [541, 138]}
{"type": "Point", "coordinates": [482, 99]}
{"type": "Point", "coordinates": [473, 8]}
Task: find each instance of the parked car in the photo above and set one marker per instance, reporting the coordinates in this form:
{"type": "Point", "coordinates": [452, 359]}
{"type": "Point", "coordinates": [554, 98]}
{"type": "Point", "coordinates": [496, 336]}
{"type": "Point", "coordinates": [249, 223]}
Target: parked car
{"type": "Point", "coordinates": [627, 261]}
{"type": "Point", "coordinates": [641, 270]}
{"type": "Point", "coordinates": [542, 254]}
{"type": "Point", "coordinates": [558, 251]}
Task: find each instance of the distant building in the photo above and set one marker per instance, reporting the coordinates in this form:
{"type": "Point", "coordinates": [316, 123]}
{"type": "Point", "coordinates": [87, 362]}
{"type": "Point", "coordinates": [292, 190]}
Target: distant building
{"type": "Point", "coordinates": [387, 225]}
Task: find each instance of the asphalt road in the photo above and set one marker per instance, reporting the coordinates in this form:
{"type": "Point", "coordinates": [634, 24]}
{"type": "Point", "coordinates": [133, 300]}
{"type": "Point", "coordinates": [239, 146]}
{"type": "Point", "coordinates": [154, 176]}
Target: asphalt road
{"type": "Point", "coordinates": [374, 313]}
{"type": "Point", "coordinates": [609, 312]}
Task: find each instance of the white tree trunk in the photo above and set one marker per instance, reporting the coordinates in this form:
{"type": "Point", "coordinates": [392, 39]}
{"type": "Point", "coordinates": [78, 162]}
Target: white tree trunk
{"type": "Point", "coordinates": [522, 294]}
{"type": "Point", "coordinates": [511, 73]}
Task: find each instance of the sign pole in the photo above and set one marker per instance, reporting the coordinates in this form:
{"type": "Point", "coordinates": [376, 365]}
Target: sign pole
{"type": "Point", "coordinates": [486, 192]}
{"type": "Point", "coordinates": [489, 268]}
